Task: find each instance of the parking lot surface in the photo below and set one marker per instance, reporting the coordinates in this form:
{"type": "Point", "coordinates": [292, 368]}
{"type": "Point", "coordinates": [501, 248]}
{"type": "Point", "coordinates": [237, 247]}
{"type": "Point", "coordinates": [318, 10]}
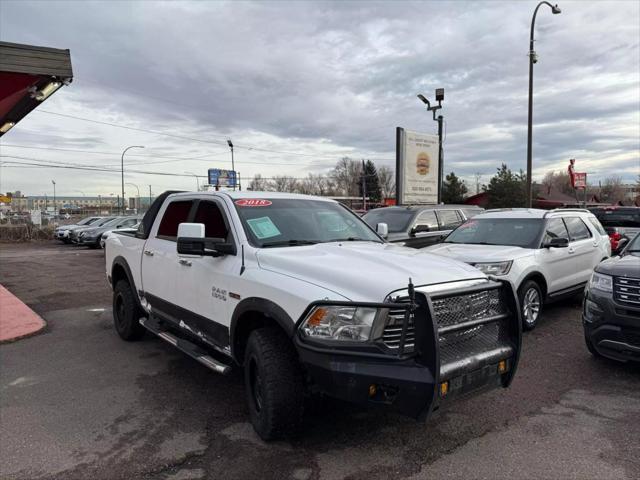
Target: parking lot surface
{"type": "Point", "coordinates": [77, 402]}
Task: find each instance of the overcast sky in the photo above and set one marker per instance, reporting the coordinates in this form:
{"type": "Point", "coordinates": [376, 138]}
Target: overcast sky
{"type": "Point", "coordinates": [297, 85]}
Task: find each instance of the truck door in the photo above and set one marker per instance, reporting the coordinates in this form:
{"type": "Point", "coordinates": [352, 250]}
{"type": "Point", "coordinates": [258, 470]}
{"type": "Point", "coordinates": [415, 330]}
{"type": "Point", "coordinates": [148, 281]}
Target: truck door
{"type": "Point", "coordinates": [160, 267]}
{"type": "Point", "coordinates": [204, 281]}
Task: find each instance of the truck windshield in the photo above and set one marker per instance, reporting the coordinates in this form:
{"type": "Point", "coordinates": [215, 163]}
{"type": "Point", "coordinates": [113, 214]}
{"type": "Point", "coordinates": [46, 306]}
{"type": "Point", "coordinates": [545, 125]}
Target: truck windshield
{"type": "Point", "coordinates": [397, 219]}
{"type": "Point", "coordinates": [518, 232]}
{"type": "Point", "coordinates": [281, 222]}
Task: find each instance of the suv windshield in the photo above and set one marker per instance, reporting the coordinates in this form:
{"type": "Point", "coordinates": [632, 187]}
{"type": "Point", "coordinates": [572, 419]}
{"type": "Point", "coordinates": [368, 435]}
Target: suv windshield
{"type": "Point", "coordinates": [518, 232]}
{"type": "Point", "coordinates": [397, 219]}
{"type": "Point", "coordinates": [291, 222]}
{"type": "Point", "coordinates": [634, 247]}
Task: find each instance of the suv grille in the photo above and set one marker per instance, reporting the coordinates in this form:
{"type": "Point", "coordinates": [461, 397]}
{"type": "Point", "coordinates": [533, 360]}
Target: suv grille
{"type": "Point", "coordinates": [627, 290]}
{"type": "Point", "coordinates": [458, 342]}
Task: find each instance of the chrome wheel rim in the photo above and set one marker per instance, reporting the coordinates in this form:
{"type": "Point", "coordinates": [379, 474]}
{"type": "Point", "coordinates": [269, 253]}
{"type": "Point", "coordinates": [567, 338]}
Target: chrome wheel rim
{"type": "Point", "coordinates": [531, 306]}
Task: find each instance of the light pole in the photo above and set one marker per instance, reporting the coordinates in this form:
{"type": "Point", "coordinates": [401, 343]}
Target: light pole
{"type": "Point", "coordinates": [54, 198]}
{"type": "Point", "coordinates": [533, 58]}
{"type": "Point", "coordinates": [197, 182]}
{"type": "Point", "coordinates": [84, 202]}
{"type": "Point", "coordinates": [439, 99]}
{"type": "Point", "coordinates": [233, 166]}
{"type": "Point", "coordinates": [138, 196]}
{"type": "Point", "coordinates": [122, 170]}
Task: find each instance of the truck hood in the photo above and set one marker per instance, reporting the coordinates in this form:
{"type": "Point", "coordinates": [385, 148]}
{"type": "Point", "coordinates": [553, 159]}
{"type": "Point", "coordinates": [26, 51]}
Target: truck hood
{"type": "Point", "coordinates": [363, 271]}
{"type": "Point", "coordinates": [470, 253]}
{"type": "Point", "coordinates": [627, 266]}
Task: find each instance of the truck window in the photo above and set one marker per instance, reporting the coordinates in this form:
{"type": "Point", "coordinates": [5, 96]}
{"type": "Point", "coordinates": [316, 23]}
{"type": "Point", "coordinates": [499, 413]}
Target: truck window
{"type": "Point", "coordinates": [175, 214]}
{"type": "Point", "coordinates": [577, 229]}
{"type": "Point", "coordinates": [448, 219]}
{"type": "Point", "coordinates": [209, 213]}
{"type": "Point", "coordinates": [428, 218]}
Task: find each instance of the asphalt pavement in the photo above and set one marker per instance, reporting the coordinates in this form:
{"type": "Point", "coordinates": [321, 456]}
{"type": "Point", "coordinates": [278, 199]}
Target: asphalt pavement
{"type": "Point", "coordinates": [77, 402]}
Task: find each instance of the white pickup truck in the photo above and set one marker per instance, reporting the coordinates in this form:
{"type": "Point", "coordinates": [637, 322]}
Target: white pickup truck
{"type": "Point", "coordinates": [308, 299]}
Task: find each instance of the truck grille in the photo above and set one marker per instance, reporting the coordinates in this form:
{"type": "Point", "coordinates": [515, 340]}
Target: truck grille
{"type": "Point", "coordinates": [626, 290]}
{"type": "Point", "coordinates": [458, 342]}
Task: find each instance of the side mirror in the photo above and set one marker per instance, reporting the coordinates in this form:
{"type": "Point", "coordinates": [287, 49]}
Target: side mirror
{"type": "Point", "coordinates": [557, 243]}
{"type": "Point", "coordinates": [382, 229]}
{"type": "Point", "coordinates": [191, 241]}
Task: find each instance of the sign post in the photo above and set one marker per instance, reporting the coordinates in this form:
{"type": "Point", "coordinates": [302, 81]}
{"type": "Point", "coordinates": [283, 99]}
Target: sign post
{"type": "Point", "coordinates": [417, 167]}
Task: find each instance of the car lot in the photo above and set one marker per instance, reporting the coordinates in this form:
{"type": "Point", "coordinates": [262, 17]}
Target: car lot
{"type": "Point", "coordinates": [77, 402]}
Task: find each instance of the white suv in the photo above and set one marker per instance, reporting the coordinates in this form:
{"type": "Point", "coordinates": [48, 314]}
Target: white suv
{"type": "Point", "coordinates": [546, 255]}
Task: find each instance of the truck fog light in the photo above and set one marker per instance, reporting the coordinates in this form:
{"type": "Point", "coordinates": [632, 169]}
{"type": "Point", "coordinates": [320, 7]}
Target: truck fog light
{"type": "Point", "coordinates": [502, 366]}
{"type": "Point", "coordinates": [372, 390]}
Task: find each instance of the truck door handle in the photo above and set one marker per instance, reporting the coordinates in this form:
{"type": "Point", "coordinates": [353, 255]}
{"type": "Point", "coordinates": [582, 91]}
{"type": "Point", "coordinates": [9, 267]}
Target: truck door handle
{"type": "Point", "coordinates": [184, 262]}
{"type": "Point", "coordinates": [148, 253]}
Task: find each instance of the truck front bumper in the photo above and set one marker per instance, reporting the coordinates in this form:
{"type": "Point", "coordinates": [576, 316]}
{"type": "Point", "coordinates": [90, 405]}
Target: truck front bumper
{"type": "Point", "coordinates": [448, 361]}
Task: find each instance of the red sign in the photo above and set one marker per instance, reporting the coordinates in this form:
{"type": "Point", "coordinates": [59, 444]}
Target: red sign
{"type": "Point", "coordinates": [580, 180]}
{"type": "Point", "coordinates": [252, 202]}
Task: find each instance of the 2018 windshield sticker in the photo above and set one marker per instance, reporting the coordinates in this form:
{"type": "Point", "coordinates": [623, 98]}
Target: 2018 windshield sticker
{"type": "Point", "coordinates": [252, 202]}
{"type": "Point", "coordinates": [263, 227]}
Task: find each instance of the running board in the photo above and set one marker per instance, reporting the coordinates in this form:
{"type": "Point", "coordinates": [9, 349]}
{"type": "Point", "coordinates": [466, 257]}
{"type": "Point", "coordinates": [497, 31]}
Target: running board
{"type": "Point", "coordinates": [190, 348]}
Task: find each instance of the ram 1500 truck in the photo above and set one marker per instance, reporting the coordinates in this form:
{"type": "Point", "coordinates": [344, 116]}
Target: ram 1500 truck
{"type": "Point", "coordinates": [310, 300]}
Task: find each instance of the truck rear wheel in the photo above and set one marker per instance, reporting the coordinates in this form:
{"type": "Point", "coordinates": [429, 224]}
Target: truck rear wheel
{"type": "Point", "coordinates": [126, 312]}
{"type": "Point", "coordinates": [273, 383]}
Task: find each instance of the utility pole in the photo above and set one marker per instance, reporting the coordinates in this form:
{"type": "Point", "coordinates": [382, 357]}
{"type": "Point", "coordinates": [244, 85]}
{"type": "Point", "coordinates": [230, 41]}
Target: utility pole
{"type": "Point", "coordinates": [54, 198]}
{"type": "Point", "coordinates": [439, 119]}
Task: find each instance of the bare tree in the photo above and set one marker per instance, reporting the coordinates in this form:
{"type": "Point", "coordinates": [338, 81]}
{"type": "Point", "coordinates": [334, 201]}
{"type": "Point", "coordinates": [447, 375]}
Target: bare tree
{"type": "Point", "coordinates": [387, 181]}
{"type": "Point", "coordinates": [346, 176]}
{"type": "Point", "coordinates": [612, 190]}
{"type": "Point", "coordinates": [285, 183]}
{"type": "Point", "coordinates": [259, 184]}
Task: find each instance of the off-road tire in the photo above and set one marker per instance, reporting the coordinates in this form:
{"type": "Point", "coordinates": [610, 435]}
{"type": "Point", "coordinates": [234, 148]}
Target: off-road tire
{"type": "Point", "coordinates": [126, 312]}
{"type": "Point", "coordinates": [523, 292]}
{"type": "Point", "coordinates": [274, 384]}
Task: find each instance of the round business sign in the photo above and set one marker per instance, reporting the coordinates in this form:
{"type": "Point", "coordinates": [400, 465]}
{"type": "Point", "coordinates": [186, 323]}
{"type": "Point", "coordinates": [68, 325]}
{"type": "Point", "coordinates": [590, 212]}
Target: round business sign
{"type": "Point", "coordinates": [252, 202]}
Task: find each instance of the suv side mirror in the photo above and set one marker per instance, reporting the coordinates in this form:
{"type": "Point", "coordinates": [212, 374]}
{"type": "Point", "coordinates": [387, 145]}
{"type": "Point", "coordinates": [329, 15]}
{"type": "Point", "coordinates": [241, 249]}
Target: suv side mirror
{"type": "Point", "coordinates": [382, 229]}
{"type": "Point", "coordinates": [191, 241]}
{"type": "Point", "coordinates": [557, 243]}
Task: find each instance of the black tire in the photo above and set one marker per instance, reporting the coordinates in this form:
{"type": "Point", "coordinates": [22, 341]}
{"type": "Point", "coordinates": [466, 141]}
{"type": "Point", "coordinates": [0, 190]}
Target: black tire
{"type": "Point", "coordinates": [126, 313]}
{"type": "Point", "coordinates": [591, 348]}
{"type": "Point", "coordinates": [527, 293]}
{"type": "Point", "coordinates": [274, 384]}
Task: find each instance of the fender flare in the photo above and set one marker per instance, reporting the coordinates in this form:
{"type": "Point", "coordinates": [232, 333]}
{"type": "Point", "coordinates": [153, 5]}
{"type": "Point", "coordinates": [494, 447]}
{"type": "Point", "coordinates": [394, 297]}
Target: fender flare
{"type": "Point", "coordinates": [529, 275]}
{"type": "Point", "coordinates": [120, 261]}
{"type": "Point", "coordinates": [262, 305]}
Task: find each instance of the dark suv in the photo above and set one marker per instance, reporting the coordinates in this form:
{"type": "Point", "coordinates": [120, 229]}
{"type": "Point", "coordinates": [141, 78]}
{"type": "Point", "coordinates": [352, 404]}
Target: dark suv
{"type": "Point", "coordinates": [621, 223]}
{"type": "Point", "coordinates": [611, 308]}
{"type": "Point", "coordinates": [420, 226]}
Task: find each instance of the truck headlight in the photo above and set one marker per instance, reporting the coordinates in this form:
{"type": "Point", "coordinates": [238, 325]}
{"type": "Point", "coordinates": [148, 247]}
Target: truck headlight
{"type": "Point", "coordinates": [339, 323]}
{"type": "Point", "coordinates": [601, 282]}
{"type": "Point", "coordinates": [494, 268]}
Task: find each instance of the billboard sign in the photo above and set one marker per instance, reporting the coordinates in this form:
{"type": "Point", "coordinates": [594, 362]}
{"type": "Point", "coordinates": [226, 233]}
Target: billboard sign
{"type": "Point", "coordinates": [222, 178]}
{"type": "Point", "coordinates": [580, 180]}
{"type": "Point", "coordinates": [417, 171]}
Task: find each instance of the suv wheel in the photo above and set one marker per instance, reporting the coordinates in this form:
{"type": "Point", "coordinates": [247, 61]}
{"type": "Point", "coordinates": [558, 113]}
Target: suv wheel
{"type": "Point", "coordinates": [273, 383]}
{"type": "Point", "coordinates": [126, 312]}
{"type": "Point", "coordinates": [530, 296]}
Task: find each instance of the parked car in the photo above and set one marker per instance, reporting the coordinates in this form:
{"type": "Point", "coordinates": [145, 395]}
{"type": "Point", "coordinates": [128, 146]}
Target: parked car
{"type": "Point", "coordinates": [308, 298]}
{"type": "Point", "coordinates": [75, 231]}
{"type": "Point", "coordinates": [62, 232]}
{"type": "Point", "coordinates": [621, 223]}
{"type": "Point", "coordinates": [611, 307]}
{"type": "Point", "coordinates": [105, 236]}
{"type": "Point", "coordinates": [546, 255]}
{"type": "Point", "coordinates": [91, 236]}
{"type": "Point", "coordinates": [420, 226]}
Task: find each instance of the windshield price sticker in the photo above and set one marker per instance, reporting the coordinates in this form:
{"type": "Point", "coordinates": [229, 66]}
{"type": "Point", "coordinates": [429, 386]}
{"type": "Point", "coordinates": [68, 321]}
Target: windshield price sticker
{"type": "Point", "coordinates": [252, 202]}
{"type": "Point", "coordinates": [263, 228]}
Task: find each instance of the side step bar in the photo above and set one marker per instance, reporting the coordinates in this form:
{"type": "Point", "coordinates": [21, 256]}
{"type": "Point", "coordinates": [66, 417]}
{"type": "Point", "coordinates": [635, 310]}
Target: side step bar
{"type": "Point", "coordinates": [190, 348]}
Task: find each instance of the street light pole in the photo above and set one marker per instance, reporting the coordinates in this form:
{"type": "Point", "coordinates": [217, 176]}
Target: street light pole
{"type": "Point", "coordinates": [197, 182]}
{"type": "Point", "coordinates": [439, 119]}
{"type": "Point", "coordinates": [122, 171]}
{"type": "Point", "coordinates": [54, 197]}
{"type": "Point", "coordinates": [233, 166]}
{"type": "Point", "coordinates": [533, 58]}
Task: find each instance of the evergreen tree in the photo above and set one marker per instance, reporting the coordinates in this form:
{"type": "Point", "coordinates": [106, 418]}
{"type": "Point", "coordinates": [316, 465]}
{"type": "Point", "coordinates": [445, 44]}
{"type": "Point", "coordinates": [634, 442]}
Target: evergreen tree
{"type": "Point", "coordinates": [507, 189]}
{"type": "Point", "coordinates": [453, 190]}
{"type": "Point", "coordinates": [372, 182]}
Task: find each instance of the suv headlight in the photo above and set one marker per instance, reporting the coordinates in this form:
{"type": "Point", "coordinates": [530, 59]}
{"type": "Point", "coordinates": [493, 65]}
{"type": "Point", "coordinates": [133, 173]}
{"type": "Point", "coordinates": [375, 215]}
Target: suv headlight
{"type": "Point", "coordinates": [601, 282]}
{"type": "Point", "coordinates": [328, 322]}
{"type": "Point", "coordinates": [494, 268]}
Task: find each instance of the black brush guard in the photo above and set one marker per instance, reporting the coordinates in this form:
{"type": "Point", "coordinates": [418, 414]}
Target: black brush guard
{"type": "Point", "coordinates": [468, 356]}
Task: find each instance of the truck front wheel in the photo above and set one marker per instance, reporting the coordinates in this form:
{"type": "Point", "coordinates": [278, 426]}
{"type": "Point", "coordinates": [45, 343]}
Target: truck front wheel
{"type": "Point", "coordinates": [273, 383]}
{"type": "Point", "coordinates": [126, 312]}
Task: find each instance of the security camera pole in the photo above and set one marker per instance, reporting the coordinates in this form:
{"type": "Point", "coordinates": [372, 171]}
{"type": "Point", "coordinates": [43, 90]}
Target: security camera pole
{"type": "Point", "coordinates": [439, 99]}
{"type": "Point", "coordinates": [533, 58]}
